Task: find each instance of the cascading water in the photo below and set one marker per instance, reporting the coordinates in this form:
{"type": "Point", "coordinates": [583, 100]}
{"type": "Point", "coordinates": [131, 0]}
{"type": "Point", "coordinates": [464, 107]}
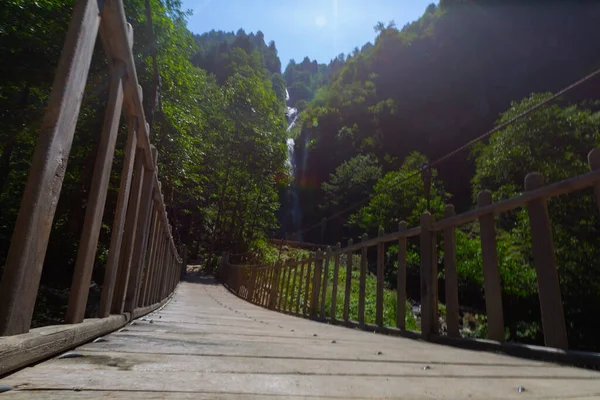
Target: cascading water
{"type": "Point", "coordinates": [293, 217]}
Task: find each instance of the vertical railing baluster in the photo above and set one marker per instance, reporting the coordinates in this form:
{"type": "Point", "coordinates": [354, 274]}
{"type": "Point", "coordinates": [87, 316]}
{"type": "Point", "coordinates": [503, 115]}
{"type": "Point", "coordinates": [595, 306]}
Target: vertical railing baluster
{"type": "Point", "coordinates": [380, 280]}
{"type": "Point", "coordinates": [450, 278]}
{"type": "Point", "coordinates": [294, 287]}
{"type": "Point", "coordinates": [129, 236]}
{"type": "Point", "coordinates": [316, 284]}
{"type": "Point", "coordinates": [300, 286]}
{"type": "Point", "coordinates": [151, 258]}
{"type": "Point", "coordinates": [553, 317]}
{"type": "Point", "coordinates": [88, 244]}
{"type": "Point", "coordinates": [112, 264]}
{"type": "Point", "coordinates": [429, 297]}
{"type": "Point", "coordinates": [307, 284]}
{"type": "Point", "coordinates": [362, 281]}
{"type": "Point", "coordinates": [401, 279]}
{"type": "Point", "coordinates": [594, 164]}
{"type": "Point", "coordinates": [491, 274]}
{"type": "Point", "coordinates": [348, 288]}
{"type": "Point", "coordinates": [148, 256]}
{"type": "Point", "coordinates": [324, 281]}
{"type": "Point", "coordinates": [275, 286]}
{"type": "Point", "coordinates": [141, 235]}
{"type": "Point", "coordinates": [334, 287]}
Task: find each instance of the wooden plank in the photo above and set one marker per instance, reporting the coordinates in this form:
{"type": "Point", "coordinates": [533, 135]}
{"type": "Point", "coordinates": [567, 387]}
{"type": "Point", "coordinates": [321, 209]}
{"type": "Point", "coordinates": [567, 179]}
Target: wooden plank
{"type": "Point", "coordinates": [207, 342]}
{"type": "Point", "coordinates": [129, 237]}
{"type": "Point", "coordinates": [429, 320]}
{"type": "Point", "coordinates": [401, 280]}
{"type": "Point", "coordinates": [491, 273]}
{"type": "Point", "coordinates": [21, 350]}
{"type": "Point", "coordinates": [336, 277]}
{"type": "Point", "coordinates": [316, 284]}
{"type": "Point", "coordinates": [25, 259]}
{"type": "Point", "coordinates": [88, 244]}
{"type": "Point", "coordinates": [553, 190]}
{"type": "Point", "coordinates": [551, 305]}
{"type": "Point", "coordinates": [450, 278]}
{"type": "Point", "coordinates": [348, 288]}
{"type": "Point", "coordinates": [116, 239]}
{"type": "Point", "coordinates": [326, 261]}
{"type": "Point", "coordinates": [380, 281]}
{"type": "Point", "coordinates": [362, 282]}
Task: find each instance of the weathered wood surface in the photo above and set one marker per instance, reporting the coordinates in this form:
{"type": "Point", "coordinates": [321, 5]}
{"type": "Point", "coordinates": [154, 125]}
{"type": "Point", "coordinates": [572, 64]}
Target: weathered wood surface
{"type": "Point", "coordinates": [206, 343]}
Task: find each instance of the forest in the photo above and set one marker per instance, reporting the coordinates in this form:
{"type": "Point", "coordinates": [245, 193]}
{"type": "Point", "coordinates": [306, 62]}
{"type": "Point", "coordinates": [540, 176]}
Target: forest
{"type": "Point", "coordinates": [367, 122]}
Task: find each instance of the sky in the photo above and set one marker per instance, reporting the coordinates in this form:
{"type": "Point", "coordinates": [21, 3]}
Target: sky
{"type": "Point", "coordinates": [319, 29]}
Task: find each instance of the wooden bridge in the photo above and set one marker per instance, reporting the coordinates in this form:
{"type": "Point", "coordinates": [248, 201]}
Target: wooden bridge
{"type": "Point", "coordinates": [262, 331]}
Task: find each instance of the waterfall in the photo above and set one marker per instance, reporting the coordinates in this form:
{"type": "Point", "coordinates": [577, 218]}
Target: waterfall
{"type": "Point", "coordinates": [293, 217]}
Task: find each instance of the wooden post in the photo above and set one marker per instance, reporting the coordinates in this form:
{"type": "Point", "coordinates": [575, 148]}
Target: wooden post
{"type": "Point", "coordinates": [251, 284]}
{"type": "Point", "coordinates": [294, 288]}
{"type": "Point", "coordinates": [334, 288]}
{"type": "Point", "coordinates": [401, 279]}
{"type": "Point", "coordinates": [363, 281]}
{"type": "Point", "coordinates": [428, 277]}
{"type": "Point", "coordinates": [116, 240]}
{"type": "Point", "coordinates": [25, 259]}
{"type": "Point", "coordinates": [451, 280]}
{"type": "Point", "coordinates": [307, 287]}
{"type": "Point", "coordinates": [324, 281]}
{"type": "Point", "coordinates": [348, 288]}
{"type": "Point", "coordinates": [594, 163]}
{"type": "Point", "coordinates": [288, 288]}
{"type": "Point", "coordinates": [141, 235]}
{"type": "Point", "coordinates": [380, 281]}
{"type": "Point", "coordinates": [262, 287]}
{"type": "Point", "coordinates": [274, 286]}
{"type": "Point", "coordinates": [281, 287]}
{"type": "Point", "coordinates": [300, 284]}
{"type": "Point", "coordinates": [553, 317]}
{"type": "Point", "coordinates": [316, 284]}
{"type": "Point", "coordinates": [491, 273]}
{"type": "Point", "coordinates": [129, 237]}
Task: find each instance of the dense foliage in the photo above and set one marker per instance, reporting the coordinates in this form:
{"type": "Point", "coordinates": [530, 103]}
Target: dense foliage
{"type": "Point", "coordinates": [219, 126]}
{"type": "Point", "coordinates": [423, 90]}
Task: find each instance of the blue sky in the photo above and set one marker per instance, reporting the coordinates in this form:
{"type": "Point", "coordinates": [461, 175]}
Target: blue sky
{"type": "Point", "coordinates": [320, 29]}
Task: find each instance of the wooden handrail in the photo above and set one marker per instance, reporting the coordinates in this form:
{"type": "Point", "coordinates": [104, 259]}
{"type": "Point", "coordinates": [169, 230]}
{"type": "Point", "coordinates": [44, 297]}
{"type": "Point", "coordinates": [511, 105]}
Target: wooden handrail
{"type": "Point", "coordinates": [314, 285]}
{"type": "Point", "coordinates": [143, 266]}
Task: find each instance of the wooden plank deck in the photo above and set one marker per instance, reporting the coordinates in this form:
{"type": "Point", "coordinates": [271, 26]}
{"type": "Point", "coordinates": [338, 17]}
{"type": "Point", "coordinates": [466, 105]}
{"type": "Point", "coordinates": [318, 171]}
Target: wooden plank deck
{"type": "Point", "coordinates": [208, 344]}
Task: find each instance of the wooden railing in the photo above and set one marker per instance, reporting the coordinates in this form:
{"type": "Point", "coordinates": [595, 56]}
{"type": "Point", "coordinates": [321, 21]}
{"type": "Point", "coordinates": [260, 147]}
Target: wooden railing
{"type": "Point", "coordinates": [300, 286]}
{"type": "Point", "coordinates": [143, 264]}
